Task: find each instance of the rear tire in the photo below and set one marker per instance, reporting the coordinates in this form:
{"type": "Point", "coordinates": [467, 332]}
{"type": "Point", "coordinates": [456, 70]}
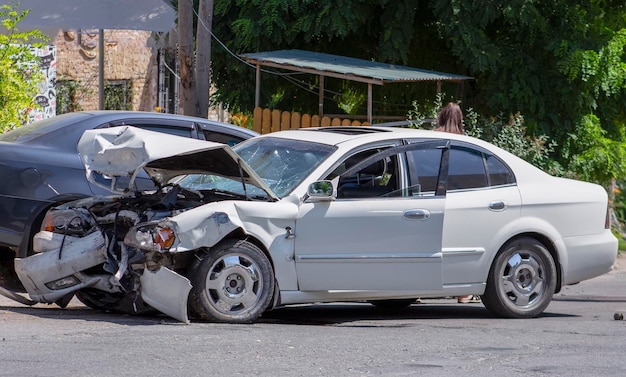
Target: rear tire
{"type": "Point", "coordinates": [522, 280]}
{"type": "Point", "coordinates": [233, 283]}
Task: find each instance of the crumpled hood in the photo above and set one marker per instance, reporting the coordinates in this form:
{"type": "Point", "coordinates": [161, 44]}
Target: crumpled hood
{"type": "Point", "coordinates": [120, 153]}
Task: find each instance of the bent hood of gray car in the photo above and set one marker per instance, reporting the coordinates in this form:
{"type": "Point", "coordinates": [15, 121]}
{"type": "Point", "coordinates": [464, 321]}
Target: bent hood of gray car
{"type": "Point", "coordinates": [120, 153]}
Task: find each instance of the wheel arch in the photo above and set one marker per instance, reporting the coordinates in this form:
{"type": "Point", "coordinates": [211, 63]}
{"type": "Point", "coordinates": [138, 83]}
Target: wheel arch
{"type": "Point", "coordinates": [241, 235]}
{"type": "Point", "coordinates": [548, 244]}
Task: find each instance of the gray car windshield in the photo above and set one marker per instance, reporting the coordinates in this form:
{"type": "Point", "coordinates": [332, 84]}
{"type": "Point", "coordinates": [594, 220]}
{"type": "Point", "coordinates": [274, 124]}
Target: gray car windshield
{"type": "Point", "coordinates": [282, 163]}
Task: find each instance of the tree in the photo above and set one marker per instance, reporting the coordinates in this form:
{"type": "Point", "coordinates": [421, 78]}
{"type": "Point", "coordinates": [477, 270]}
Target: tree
{"type": "Point", "coordinates": [557, 62]}
{"type": "Point", "coordinates": [552, 60]}
{"type": "Point", "coordinates": [19, 73]}
{"type": "Point", "coordinates": [562, 65]}
{"type": "Point", "coordinates": [368, 29]}
{"type": "Point", "coordinates": [195, 63]}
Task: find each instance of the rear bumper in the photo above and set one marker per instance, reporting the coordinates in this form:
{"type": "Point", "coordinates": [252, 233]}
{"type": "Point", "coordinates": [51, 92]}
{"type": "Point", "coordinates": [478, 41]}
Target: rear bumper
{"type": "Point", "coordinates": [588, 256]}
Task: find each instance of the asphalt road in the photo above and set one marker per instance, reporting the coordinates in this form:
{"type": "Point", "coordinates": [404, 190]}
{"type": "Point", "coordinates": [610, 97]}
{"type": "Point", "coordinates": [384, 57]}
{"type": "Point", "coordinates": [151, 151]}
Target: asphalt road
{"type": "Point", "coordinates": [576, 336]}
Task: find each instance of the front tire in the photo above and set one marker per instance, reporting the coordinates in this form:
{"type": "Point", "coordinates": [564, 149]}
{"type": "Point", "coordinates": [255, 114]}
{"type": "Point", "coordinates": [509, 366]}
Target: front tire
{"type": "Point", "coordinates": [126, 303]}
{"type": "Point", "coordinates": [233, 283]}
{"type": "Point", "coordinates": [522, 280]}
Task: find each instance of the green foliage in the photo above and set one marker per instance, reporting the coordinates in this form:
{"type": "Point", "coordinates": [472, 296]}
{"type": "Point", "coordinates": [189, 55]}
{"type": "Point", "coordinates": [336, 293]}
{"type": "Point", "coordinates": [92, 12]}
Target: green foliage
{"type": "Point", "coordinates": [511, 136]}
{"type": "Point", "coordinates": [425, 110]}
{"type": "Point", "coordinates": [553, 61]}
{"type": "Point", "coordinates": [118, 95]}
{"type": "Point", "coordinates": [561, 64]}
{"type": "Point", "coordinates": [591, 155]}
{"type": "Point", "coordinates": [68, 95]}
{"type": "Point", "coordinates": [19, 73]}
{"type": "Point", "coordinates": [350, 100]}
{"type": "Point", "coordinates": [557, 62]}
{"type": "Point", "coordinates": [366, 29]}
{"type": "Point", "coordinates": [507, 133]}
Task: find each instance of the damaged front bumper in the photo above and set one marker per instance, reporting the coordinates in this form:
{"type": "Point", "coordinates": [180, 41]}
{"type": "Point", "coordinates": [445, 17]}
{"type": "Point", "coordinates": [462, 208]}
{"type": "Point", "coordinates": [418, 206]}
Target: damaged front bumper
{"type": "Point", "coordinates": [57, 271]}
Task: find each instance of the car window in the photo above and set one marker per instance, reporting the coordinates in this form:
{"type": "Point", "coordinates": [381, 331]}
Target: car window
{"type": "Point", "coordinates": [466, 169]}
{"type": "Point", "coordinates": [178, 131]}
{"type": "Point", "coordinates": [212, 182]}
{"type": "Point", "coordinates": [499, 174]}
{"type": "Point", "coordinates": [223, 138]}
{"type": "Point", "coordinates": [42, 127]}
{"type": "Point", "coordinates": [377, 179]}
{"type": "Point", "coordinates": [424, 172]}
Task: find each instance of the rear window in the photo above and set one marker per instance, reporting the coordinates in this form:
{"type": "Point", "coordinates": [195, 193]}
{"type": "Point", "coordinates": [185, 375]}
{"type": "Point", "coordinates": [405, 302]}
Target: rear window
{"type": "Point", "coordinates": [34, 130]}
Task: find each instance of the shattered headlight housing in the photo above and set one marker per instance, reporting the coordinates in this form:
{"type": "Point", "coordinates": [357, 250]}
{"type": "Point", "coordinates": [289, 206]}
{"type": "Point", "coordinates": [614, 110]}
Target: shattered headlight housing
{"type": "Point", "coordinates": [74, 222]}
{"type": "Point", "coordinates": [151, 237]}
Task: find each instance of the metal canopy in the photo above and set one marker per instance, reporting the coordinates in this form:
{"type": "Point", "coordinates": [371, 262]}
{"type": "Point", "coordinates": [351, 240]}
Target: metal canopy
{"type": "Point", "coordinates": [345, 68]}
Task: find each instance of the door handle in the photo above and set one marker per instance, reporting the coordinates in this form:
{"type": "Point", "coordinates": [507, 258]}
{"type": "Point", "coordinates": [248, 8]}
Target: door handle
{"type": "Point", "coordinates": [416, 214]}
{"type": "Point", "coordinates": [497, 206]}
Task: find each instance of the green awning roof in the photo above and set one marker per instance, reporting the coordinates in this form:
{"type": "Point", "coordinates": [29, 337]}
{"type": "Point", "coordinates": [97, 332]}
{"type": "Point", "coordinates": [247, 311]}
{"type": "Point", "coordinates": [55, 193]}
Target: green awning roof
{"type": "Point", "coordinates": [346, 68]}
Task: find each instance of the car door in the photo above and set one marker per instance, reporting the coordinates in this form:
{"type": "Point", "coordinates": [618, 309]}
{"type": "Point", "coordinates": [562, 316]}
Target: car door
{"type": "Point", "coordinates": [482, 198]}
{"type": "Point", "coordinates": [373, 241]}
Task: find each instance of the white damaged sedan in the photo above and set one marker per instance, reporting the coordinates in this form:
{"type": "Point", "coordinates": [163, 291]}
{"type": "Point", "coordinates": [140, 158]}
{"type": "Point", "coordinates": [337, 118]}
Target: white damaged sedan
{"type": "Point", "coordinates": [315, 215]}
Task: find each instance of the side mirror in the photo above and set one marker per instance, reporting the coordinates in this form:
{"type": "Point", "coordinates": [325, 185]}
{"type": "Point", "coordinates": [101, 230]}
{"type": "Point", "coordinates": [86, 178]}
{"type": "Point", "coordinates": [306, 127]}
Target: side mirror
{"type": "Point", "coordinates": [321, 190]}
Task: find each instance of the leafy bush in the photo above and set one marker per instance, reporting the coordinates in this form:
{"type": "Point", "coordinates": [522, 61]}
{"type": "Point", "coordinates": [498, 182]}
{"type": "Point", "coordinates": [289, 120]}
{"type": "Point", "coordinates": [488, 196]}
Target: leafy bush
{"type": "Point", "coordinates": [507, 133]}
{"type": "Point", "coordinates": [19, 69]}
{"type": "Point", "coordinates": [591, 156]}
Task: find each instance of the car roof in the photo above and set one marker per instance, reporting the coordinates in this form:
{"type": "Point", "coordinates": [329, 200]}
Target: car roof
{"type": "Point", "coordinates": [348, 137]}
{"type": "Point", "coordinates": [68, 127]}
{"type": "Point", "coordinates": [359, 134]}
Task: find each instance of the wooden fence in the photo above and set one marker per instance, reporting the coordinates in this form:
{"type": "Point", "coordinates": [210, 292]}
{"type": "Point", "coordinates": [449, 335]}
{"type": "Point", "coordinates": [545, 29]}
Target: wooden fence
{"type": "Point", "coordinates": [266, 121]}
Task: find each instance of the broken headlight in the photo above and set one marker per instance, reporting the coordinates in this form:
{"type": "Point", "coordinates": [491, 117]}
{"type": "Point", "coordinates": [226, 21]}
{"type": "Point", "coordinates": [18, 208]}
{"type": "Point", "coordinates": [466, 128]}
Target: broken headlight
{"type": "Point", "coordinates": [151, 237]}
{"type": "Point", "coordinates": [73, 222]}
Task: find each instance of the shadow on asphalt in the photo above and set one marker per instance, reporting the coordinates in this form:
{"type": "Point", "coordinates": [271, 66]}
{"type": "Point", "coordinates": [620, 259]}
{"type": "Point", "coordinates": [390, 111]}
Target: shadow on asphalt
{"type": "Point", "coordinates": [331, 314]}
{"type": "Point", "coordinates": [581, 298]}
{"type": "Point", "coordinates": [315, 314]}
{"type": "Point", "coordinates": [87, 314]}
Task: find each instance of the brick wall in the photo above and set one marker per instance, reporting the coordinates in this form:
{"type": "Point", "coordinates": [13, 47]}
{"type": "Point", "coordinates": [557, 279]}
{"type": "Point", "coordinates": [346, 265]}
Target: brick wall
{"type": "Point", "coordinates": [126, 57]}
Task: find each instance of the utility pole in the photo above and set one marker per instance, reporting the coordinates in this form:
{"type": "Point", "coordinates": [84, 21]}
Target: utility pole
{"type": "Point", "coordinates": [186, 57]}
{"type": "Point", "coordinates": [203, 56]}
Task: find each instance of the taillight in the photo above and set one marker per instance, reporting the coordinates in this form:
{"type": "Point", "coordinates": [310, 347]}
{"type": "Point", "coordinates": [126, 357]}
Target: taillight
{"type": "Point", "coordinates": [66, 221]}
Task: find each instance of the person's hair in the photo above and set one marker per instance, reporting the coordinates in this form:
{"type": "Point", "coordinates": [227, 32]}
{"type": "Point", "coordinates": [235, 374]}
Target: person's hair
{"type": "Point", "coordinates": [450, 119]}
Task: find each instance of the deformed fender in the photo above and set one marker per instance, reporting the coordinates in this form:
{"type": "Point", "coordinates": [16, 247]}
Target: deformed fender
{"type": "Point", "coordinates": [269, 222]}
{"type": "Point", "coordinates": [197, 228]}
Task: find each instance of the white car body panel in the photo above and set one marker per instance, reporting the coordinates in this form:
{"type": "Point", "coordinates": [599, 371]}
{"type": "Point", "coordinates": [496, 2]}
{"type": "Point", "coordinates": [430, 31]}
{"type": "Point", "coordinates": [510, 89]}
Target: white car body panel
{"type": "Point", "coordinates": [206, 225]}
{"type": "Point", "coordinates": [407, 258]}
{"type": "Point", "coordinates": [467, 250]}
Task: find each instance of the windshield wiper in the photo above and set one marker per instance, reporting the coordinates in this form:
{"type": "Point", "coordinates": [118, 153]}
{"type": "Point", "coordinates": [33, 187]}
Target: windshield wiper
{"type": "Point", "coordinates": [220, 192]}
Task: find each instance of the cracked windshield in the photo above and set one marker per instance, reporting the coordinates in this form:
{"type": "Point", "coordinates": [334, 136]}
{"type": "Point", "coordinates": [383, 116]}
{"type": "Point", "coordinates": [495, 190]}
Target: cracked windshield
{"type": "Point", "coordinates": [282, 164]}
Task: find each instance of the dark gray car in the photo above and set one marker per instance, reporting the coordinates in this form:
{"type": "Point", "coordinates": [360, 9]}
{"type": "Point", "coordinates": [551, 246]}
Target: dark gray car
{"type": "Point", "coordinates": [40, 167]}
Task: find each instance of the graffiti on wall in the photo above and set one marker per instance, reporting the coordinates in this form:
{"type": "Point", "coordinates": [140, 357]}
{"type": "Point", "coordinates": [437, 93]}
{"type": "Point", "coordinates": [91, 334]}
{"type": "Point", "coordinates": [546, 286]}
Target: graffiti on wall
{"type": "Point", "coordinates": [46, 96]}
